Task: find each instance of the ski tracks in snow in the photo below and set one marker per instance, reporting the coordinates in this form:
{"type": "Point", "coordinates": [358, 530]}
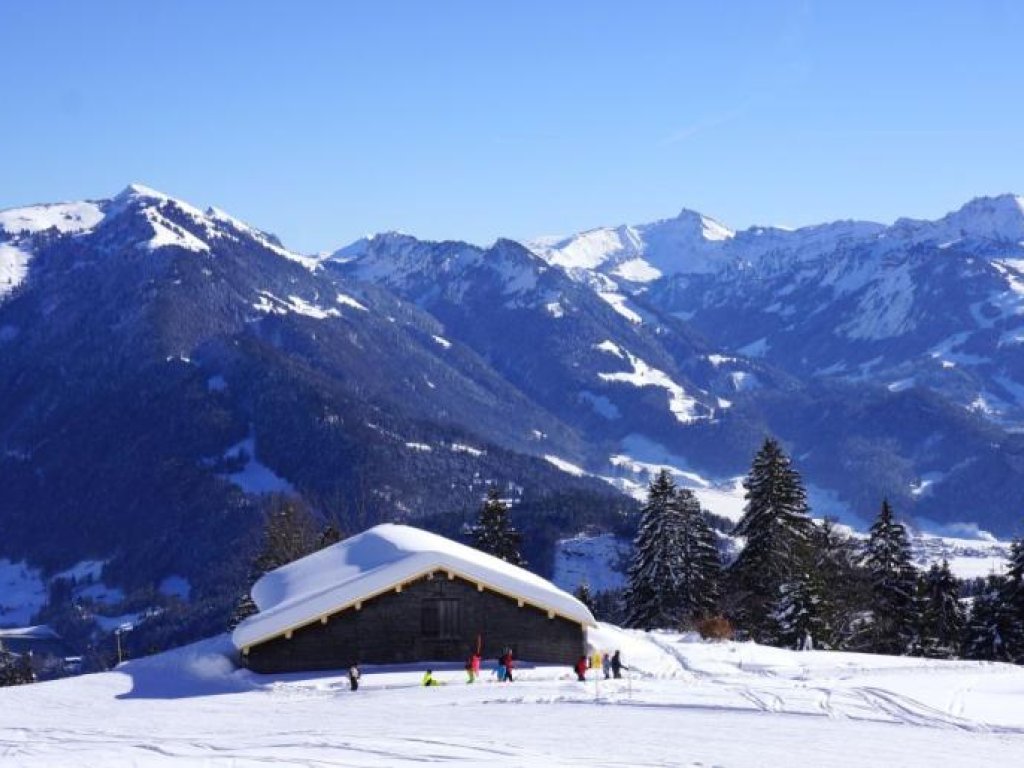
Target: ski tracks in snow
{"type": "Point", "coordinates": [788, 695]}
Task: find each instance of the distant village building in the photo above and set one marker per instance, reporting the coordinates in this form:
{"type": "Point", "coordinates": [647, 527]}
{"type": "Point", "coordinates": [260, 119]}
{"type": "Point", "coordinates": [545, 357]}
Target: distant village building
{"type": "Point", "coordinates": [399, 594]}
{"type": "Point", "coordinates": [47, 651]}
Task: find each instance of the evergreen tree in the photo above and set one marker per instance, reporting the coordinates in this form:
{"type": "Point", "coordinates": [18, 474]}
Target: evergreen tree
{"type": "Point", "coordinates": [584, 595]}
{"type": "Point", "coordinates": [1015, 597]}
{"type": "Point", "coordinates": [777, 529]}
{"type": "Point", "coordinates": [893, 585]}
{"type": "Point", "coordinates": [494, 533]}
{"type": "Point", "coordinates": [15, 669]}
{"type": "Point", "coordinates": [674, 576]}
{"type": "Point", "coordinates": [329, 534]}
{"type": "Point", "coordinates": [992, 620]}
{"type": "Point", "coordinates": [608, 606]}
{"type": "Point", "coordinates": [942, 619]}
{"type": "Point", "coordinates": [290, 532]}
{"type": "Point", "coordinates": [842, 584]}
{"type": "Point", "coordinates": [700, 566]}
{"type": "Point", "coordinates": [1015, 569]}
{"type": "Point", "coordinates": [798, 613]}
{"type": "Point", "coordinates": [652, 598]}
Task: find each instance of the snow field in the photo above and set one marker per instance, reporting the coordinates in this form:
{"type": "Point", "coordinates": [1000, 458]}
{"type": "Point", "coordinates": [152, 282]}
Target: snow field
{"type": "Point", "coordinates": [687, 703]}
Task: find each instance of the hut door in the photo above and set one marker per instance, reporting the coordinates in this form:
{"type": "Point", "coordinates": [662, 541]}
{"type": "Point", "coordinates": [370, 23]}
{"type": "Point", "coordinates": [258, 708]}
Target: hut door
{"type": "Point", "coordinates": [441, 627]}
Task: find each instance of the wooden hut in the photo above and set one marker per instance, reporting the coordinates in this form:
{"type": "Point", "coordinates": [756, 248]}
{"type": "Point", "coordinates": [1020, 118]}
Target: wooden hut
{"type": "Point", "coordinates": [398, 594]}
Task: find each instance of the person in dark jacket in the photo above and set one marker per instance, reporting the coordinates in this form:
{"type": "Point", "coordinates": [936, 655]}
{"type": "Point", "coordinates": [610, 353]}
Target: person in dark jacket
{"type": "Point", "coordinates": [617, 665]}
{"type": "Point", "coordinates": [353, 677]}
{"type": "Point", "coordinates": [581, 669]}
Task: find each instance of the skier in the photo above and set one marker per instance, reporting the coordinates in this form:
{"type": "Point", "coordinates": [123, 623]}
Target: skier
{"type": "Point", "coordinates": [508, 661]}
{"type": "Point", "coordinates": [353, 677]}
{"type": "Point", "coordinates": [473, 668]}
{"type": "Point", "coordinates": [501, 669]}
{"type": "Point", "coordinates": [429, 680]}
{"type": "Point", "coordinates": [617, 665]}
{"type": "Point", "coordinates": [606, 665]}
{"type": "Point", "coordinates": [581, 669]}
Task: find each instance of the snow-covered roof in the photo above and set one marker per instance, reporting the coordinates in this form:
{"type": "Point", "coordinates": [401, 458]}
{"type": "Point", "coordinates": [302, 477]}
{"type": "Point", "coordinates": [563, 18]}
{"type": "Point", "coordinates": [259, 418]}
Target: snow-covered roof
{"type": "Point", "coordinates": [376, 561]}
{"type": "Point", "coordinates": [38, 632]}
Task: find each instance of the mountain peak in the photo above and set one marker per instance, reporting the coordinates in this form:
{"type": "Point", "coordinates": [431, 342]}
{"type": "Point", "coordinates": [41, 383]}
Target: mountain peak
{"type": "Point", "coordinates": [999, 218]}
{"type": "Point", "coordinates": [1005, 206]}
{"type": "Point", "coordinates": [710, 229]}
{"type": "Point", "coordinates": [139, 195]}
{"type": "Point", "coordinates": [141, 190]}
{"type": "Point", "coordinates": [136, 191]}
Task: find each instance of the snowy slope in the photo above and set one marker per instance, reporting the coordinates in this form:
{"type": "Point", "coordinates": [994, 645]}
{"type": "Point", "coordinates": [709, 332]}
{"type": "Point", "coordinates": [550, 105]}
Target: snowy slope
{"type": "Point", "coordinates": [62, 217]}
{"type": "Point", "coordinates": [685, 703]}
{"type": "Point", "coordinates": [18, 225]}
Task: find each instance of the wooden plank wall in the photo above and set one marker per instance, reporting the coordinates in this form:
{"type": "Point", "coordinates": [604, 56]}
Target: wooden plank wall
{"type": "Point", "coordinates": [388, 629]}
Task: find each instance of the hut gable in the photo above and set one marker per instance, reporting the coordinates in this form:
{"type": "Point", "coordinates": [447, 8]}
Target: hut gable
{"type": "Point", "coordinates": [380, 561]}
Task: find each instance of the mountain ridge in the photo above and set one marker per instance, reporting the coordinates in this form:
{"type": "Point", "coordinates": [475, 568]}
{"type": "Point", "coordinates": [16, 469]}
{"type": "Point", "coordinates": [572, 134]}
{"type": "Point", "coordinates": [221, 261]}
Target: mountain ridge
{"type": "Point", "coordinates": [594, 371]}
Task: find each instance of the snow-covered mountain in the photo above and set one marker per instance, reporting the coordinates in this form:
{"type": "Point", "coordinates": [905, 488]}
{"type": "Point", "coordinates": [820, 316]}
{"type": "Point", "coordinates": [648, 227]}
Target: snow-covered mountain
{"type": "Point", "coordinates": [691, 243]}
{"type": "Point", "coordinates": [163, 368]}
{"type": "Point", "coordinates": [198, 364]}
{"type": "Point", "coordinates": [579, 354]}
{"type": "Point", "coordinates": [931, 312]}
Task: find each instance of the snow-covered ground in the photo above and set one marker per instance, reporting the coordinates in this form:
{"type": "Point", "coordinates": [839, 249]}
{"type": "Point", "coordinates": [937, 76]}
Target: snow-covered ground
{"type": "Point", "coordinates": [686, 703]}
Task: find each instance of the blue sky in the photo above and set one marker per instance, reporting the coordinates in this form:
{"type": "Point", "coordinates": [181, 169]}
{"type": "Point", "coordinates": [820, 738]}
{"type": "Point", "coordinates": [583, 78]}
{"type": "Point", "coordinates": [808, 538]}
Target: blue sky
{"type": "Point", "coordinates": [322, 121]}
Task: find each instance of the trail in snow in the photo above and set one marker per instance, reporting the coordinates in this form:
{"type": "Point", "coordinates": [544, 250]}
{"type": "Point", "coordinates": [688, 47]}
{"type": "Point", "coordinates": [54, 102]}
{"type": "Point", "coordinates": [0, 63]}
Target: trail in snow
{"type": "Point", "coordinates": [773, 693]}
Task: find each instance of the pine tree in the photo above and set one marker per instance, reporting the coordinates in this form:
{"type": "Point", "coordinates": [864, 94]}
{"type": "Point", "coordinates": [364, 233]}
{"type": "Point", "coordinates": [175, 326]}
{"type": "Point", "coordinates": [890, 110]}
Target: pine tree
{"type": "Point", "coordinates": [650, 599]}
{"type": "Point", "coordinates": [584, 595]}
{"type": "Point", "coordinates": [992, 620]}
{"type": "Point", "coordinates": [893, 585]}
{"type": "Point", "coordinates": [609, 606]}
{"type": "Point", "coordinates": [329, 534]}
{"type": "Point", "coordinates": [494, 533]}
{"type": "Point", "coordinates": [674, 576]}
{"type": "Point", "coordinates": [942, 619]}
{"type": "Point", "coordinates": [1014, 592]}
{"type": "Point", "coordinates": [798, 613]}
{"type": "Point", "coordinates": [289, 533]}
{"type": "Point", "coordinates": [777, 529]}
{"type": "Point", "coordinates": [15, 669]}
{"type": "Point", "coordinates": [841, 582]}
{"type": "Point", "coordinates": [700, 565]}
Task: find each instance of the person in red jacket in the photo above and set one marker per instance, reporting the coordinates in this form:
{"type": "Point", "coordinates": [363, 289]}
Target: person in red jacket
{"type": "Point", "coordinates": [473, 667]}
{"type": "Point", "coordinates": [508, 661]}
{"type": "Point", "coordinates": [581, 669]}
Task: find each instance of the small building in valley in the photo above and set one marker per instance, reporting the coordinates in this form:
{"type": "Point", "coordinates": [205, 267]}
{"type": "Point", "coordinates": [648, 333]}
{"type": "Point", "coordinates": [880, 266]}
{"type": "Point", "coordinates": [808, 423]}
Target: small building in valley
{"type": "Point", "coordinates": [398, 594]}
{"type": "Point", "coordinates": [47, 652]}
